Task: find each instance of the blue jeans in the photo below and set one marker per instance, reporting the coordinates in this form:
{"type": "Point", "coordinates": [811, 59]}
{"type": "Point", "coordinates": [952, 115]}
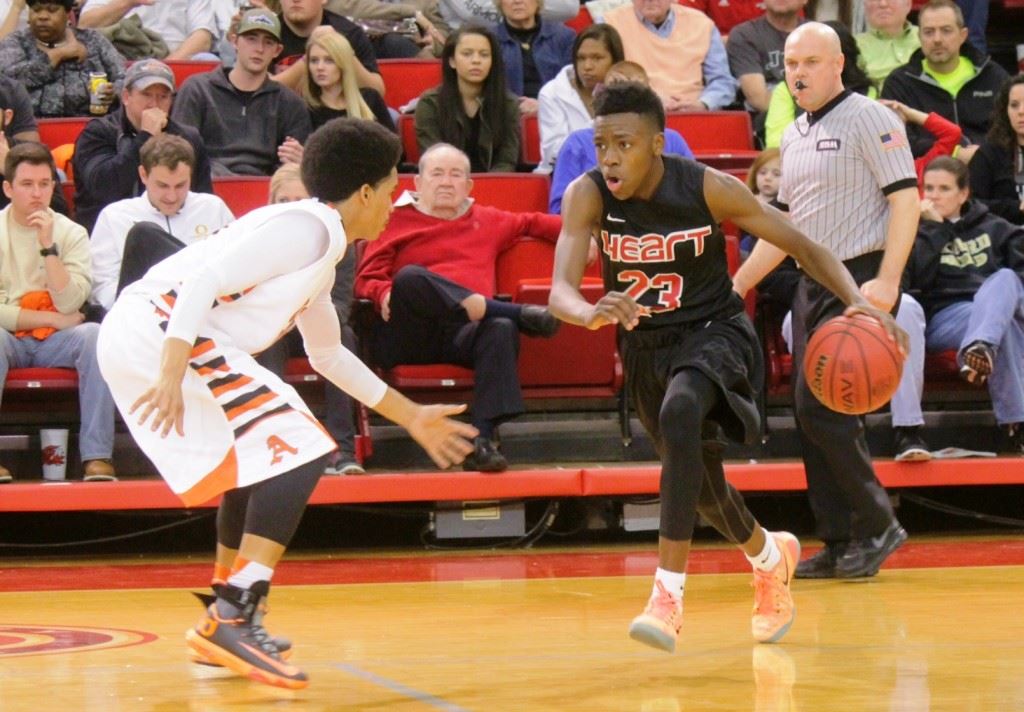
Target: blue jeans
{"type": "Point", "coordinates": [70, 348]}
{"type": "Point", "coordinates": [996, 316]}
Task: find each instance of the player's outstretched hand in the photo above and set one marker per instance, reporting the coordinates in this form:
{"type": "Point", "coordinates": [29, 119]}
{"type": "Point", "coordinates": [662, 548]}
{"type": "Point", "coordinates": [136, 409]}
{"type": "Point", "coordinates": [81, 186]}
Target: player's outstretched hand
{"type": "Point", "coordinates": [447, 441]}
{"type": "Point", "coordinates": [167, 406]}
{"type": "Point", "coordinates": [614, 308]}
{"type": "Point", "coordinates": [888, 323]}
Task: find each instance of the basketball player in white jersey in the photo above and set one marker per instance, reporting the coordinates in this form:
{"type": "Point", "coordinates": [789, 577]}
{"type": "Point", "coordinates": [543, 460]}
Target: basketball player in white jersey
{"type": "Point", "coordinates": [176, 350]}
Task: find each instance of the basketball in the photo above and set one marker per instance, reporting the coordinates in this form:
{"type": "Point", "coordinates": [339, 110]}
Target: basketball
{"type": "Point", "coordinates": [851, 365]}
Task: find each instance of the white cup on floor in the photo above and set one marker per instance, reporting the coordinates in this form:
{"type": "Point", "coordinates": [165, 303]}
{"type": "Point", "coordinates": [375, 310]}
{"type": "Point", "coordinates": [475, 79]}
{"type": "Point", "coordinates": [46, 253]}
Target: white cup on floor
{"type": "Point", "coordinates": [54, 442]}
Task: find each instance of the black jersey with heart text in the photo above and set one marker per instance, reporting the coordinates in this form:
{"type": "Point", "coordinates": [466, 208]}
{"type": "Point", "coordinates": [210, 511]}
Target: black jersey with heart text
{"type": "Point", "coordinates": [668, 252]}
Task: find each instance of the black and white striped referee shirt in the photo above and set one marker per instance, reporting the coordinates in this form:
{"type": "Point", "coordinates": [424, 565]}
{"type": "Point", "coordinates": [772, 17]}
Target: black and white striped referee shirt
{"type": "Point", "coordinates": [838, 166]}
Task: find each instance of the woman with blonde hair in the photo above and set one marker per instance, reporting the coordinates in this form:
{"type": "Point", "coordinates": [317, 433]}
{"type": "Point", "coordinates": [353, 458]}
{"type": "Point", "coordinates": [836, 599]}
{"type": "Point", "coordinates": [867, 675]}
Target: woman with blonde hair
{"type": "Point", "coordinates": [330, 88]}
{"type": "Point", "coordinates": [286, 185]}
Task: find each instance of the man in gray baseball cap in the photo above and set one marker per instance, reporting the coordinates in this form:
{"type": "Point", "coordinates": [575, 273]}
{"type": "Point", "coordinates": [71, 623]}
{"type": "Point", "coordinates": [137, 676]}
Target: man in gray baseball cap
{"type": "Point", "coordinates": [262, 20]}
{"type": "Point", "coordinates": [106, 160]}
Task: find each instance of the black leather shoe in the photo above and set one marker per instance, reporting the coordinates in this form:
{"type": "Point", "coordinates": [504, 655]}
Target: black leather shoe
{"type": "Point", "coordinates": [538, 321]}
{"type": "Point", "coordinates": [864, 557]}
{"type": "Point", "coordinates": [485, 457]}
{"type": "Point", "coordinates": [823, 564]}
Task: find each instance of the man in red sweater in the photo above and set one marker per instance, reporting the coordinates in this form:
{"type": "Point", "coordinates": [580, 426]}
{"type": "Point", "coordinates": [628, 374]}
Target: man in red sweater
{"type": "Point", "coordinates": [432, 278]}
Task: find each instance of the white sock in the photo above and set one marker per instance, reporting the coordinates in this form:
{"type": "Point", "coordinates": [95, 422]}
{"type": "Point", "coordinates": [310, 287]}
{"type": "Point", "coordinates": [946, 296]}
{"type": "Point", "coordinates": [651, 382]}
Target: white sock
{"type": "Point", "coordinates": [770, 555]}
{"type": "Point", "coordinates": [672, 581]}
{"type": "Point", "coordinates": [249, 574]}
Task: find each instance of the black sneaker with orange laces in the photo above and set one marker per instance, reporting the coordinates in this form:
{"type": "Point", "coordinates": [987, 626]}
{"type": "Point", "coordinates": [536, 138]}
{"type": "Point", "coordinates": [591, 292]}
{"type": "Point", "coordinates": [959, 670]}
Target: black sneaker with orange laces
{"type": "Point", "coordinates": [231, 634]}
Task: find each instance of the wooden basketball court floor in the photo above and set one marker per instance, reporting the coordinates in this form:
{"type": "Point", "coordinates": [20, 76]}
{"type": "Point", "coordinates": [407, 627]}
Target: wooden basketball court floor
{"type": "Point", "coordinates": [941, 628]}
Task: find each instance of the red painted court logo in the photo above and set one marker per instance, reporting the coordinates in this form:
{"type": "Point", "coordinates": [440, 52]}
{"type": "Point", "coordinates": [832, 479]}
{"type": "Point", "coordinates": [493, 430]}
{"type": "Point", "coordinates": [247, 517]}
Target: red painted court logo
{"type": "Point", "coordinates": [53, 455]}
{"type": "Point", "coordinates": [24, 640]}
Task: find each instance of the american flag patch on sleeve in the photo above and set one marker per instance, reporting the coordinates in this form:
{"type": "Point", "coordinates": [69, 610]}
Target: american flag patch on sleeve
{"type": "Point", "coordinates": [892, 139]}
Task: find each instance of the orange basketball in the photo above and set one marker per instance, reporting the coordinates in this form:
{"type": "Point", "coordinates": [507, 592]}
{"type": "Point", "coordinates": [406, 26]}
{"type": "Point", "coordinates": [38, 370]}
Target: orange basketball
{"type": "Point", "coordinates": [851, 365]}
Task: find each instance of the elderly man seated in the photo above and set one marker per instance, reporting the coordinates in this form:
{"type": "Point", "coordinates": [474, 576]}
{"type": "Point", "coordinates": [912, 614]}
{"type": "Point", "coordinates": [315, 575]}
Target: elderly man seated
{"type": "Point", "coordinates": [431, 276]}
{"type": "Point", "coordinates": [682, 51]}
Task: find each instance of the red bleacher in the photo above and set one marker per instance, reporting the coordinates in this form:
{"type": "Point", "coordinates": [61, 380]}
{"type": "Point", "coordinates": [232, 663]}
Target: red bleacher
{"type": "Point", "coordinates": [723, 139]}
{"type": "Point", "coordinates": [242, 193]}
{"type": "Point", "coordinates": [406, 79]}
{"type": "Point", "coordinates": [57, 132]}
{"type": "Point", "coordinates": [185, 68]}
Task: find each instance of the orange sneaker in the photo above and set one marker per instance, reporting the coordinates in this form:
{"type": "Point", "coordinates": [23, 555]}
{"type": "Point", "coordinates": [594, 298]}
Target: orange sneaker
{"type": "Point", "coordinates": [658, 626]}
{"type": "Point", "coordinates": [774, 610]}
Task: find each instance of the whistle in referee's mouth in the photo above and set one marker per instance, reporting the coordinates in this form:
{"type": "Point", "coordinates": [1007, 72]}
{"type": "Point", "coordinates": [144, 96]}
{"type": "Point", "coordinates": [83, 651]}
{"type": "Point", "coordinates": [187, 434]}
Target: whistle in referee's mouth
{"type": "Point", "coordinates": [799, 85]}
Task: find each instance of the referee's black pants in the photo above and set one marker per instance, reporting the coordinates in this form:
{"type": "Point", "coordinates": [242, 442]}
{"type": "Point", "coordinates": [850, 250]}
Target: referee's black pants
{"type": "Point", "coordinates": [429, 325]}
{"type": "Point", "coordinates": [846, 497]}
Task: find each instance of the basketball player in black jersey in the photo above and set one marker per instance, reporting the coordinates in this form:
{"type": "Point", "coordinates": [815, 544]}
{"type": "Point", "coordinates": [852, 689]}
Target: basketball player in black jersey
{"type": "Point", "coordinates": [693, 362]}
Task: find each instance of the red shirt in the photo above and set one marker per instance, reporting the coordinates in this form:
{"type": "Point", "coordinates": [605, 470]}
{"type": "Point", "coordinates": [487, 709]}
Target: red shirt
{"type": "Point", "coordinates": [464, 250]}
{"type": "Point", "coordinates": [726, 14]}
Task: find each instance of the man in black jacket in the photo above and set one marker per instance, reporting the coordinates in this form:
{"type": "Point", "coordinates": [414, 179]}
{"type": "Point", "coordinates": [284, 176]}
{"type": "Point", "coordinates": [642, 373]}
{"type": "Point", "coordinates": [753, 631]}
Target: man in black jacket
{"type": "Point", "coordinates": [948, 75]}
{"type": "Point", "coordinates": [966, 267]}
{"type": "Point", "coordinates": [106, 161]}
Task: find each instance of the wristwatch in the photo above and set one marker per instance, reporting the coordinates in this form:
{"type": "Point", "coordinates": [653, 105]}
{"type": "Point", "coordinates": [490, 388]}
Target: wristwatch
{"type": "Point", "coordinates": [51, 250]}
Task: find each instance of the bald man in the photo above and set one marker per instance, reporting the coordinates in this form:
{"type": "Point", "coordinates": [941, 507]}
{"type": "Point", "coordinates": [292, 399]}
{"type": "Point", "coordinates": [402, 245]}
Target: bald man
{"type": "Point", "coordinates": [848, 182]}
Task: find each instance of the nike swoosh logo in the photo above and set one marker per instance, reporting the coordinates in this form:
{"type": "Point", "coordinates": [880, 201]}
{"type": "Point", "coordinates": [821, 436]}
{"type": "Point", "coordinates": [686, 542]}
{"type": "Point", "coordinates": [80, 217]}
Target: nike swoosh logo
{"type": "Point", "coordinates": [614, 219]}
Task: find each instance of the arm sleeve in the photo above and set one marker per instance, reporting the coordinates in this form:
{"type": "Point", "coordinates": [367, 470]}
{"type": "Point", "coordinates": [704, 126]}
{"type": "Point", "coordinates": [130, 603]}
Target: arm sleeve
{"type": "Point", "coordinates": [201, 17]}
{"type": "Point", "coordinates": [884, 147]}
{"type": "Point", "coordinates": [380, 110]}
{"type": "Point", "coordinates": [506, 158]}
{"type": "Point", "coordinates": [32, 72]}
{"type": "Point", "coordinates": [112, 61]}
{"type": "Point", "coordinates": [571, 163]}
{"type": "Point", "coordinates": [110, 166]}
{"type": "Point", "coordinates": [295, 121]}
{"type": "Point", "coordinates": [743, 57]}
{"type": "Point", "coordinates": [719, 84]}
{"type": "Point", "coordinates": [258, 256]}
{"type": "Point", "coordinates": [781, 113]}
{"type": "Point", "coordinates": [554, 128]}
{"type": "Point", "coordinates": [187, 108]}
{"type": "Point", "coordinates": [21, 104]}
{"type": "Point", "coordinates": [321, 335]}
{"type": "Point", "coordinates": [947, 136]}
{"type": "Point", "coordinates": [984, 169]}
{"type": "Point", "coordinates": [106, 261]}
{"type": "Point", "coordinates": [676, 144]}
{"type": "Point", "coordinates": [428, 129]}
{"type": "Point", "coordinates": [74, 253]}
{"type": "Point", "coordinates": [543, 226]}
{"type": "Point", "coordinates": [375, 270]}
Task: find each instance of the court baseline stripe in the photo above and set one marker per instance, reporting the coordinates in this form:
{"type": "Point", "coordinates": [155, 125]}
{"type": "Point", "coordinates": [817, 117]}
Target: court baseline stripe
{"type": "Point", "coordinates": [424, 697]}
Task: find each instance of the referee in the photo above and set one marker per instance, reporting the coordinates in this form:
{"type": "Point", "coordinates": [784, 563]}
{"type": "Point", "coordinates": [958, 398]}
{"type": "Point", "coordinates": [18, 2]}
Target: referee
{"type": "Point", "coordinates": [848, 182]}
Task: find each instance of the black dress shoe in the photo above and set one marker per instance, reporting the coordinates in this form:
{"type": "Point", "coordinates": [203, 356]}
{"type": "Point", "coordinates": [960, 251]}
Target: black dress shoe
{"type": "Point", "coordinates": [485, 457]}
{"type": "Point", "coordinates": [864, 557]}
{"type": "Point", "coordinates": [538, 321]}
{"type": "Point", "coordinates": [823, 564]}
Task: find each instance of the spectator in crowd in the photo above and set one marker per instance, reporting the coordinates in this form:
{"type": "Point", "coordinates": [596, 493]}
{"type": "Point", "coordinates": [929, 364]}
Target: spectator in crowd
{"type": "Point", "coordinates": [431, 276]}
{"type": "Point", "coordinates": [121, 244]}
{"type": "Point", "coordinates": [947, 136]}
{"type": "Point", "coordinates": [17, 125]}
{"type": "Point", "coordinates": [44, 281]}
{"type": "Point", "coordinates": [106, 159]}
{"type": "Point", "coordinates": [13, 16]}
{"type": "Point", "coordinates": [948, 76]}
{"type": "Point", "coordinates": [462, 12]}
{"type": "Point", "coordinates": [682, 51]}
{"type": "Point", "coordinates": [997, 169]}
{"type": "Point", "coordinates": [565, 104]}
{"type": "Point", "coordinates": [890, 40]}
{"type": "Point", "coordinates": [54, 60]}
{"type": "Point", "coordinates": [298, 20]}
{"type": "Point", "coordinates": [848, 12]}
{"type": "Point", "coordinates": [286, 187]}
{"type": "Point", "coordinates": [783, 109]}
{"type": "Point", "coordinates": [471, 109]}
{"type": "Point", "coordinates": [578, 156]}
{"type": "Point", "coordinates": [186, 26]}
{"type": "Point", "coordinates": [331, 88]}
{"type": "Point", "coordinates": [966, 268]}
{"type": "Point", "coordinates": [533, 51]}
{"type": "Point", "coordinates": [755, 54]}
{"type": "Point", "coordinates": [727, 15]}
{"type": "Point", "coordinates": [425, 13]}
{"type": "Point", "coordinates": [249, 122]}
{"type": "Point", "coordinates": [763, 179]}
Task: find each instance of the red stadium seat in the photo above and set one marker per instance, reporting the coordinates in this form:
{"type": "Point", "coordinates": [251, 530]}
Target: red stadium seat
{"type": "Point", "coordinates": [582, 21]}
{"type": "Point", "coordinates": [185, 68]}
{"type": "Point", "coordinates": [723, 139]}
{"type": "Point", "coordinates": [407, 132]}
{"type": "Point", "coordinates": [242, 193]}
{"type": "Point", "coordinates": [530, 143]}
{"type": "Point", "coordinates": [41, 378]}
{"type": "Point", "coordinates": [57, 132]}
{"type": "Point", "coordinates": [406, 79]}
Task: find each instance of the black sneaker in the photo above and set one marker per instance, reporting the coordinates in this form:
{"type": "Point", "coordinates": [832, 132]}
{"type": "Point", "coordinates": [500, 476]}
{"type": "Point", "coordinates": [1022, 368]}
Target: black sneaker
{"type": "Point", "coordinates": [485, 457]}
{"type": "Point", "coordinates": [283, 645]}
{"type": "Point", "coordinates": [863, 557]}
{"type": "Point", "coordinates": [910, 446]}
{"type": "Point", "coordinates": [823, 564]}
{"type": "Point", "coordinates": [230, 635]}
{"type": "Point", "coordinates": [976, 362]}
{"type": "Point", "coordinates": [1014, 439]}
{"type": "Point", "coordinates": [538, 321]}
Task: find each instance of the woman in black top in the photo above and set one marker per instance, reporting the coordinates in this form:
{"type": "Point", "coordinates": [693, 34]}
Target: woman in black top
{"type": "Point", "coordinates": [997, 169]}
{"type": "Point", "coordinates": [472, 109]}
{"type": "Point", "coordinates": [331, 90]}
